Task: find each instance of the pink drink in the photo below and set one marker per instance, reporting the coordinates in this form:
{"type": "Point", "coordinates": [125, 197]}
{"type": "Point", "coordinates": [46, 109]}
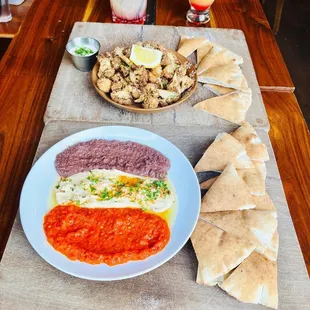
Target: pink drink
{"type": "Point", "coordinates": [128, 11]}
{"type": "Point", "coordinates": [201, 5]}
{"type": "Point", "coordinates": [199, 11]}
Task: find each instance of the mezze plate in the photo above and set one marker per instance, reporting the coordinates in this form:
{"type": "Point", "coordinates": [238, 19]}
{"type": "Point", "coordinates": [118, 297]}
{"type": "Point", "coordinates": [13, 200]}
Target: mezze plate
{"type": "Point", "coordinates": [35, 202]}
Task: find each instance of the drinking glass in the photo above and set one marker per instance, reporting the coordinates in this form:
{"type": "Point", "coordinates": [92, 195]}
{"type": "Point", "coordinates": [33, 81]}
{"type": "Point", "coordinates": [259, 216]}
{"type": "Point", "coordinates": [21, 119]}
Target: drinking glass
{"type": "Point", "coordinates": [128, 11]}
{"type": "Point", "coordinates": [5, 11]}
{"type": "Point", "coordinates": [199, 11]}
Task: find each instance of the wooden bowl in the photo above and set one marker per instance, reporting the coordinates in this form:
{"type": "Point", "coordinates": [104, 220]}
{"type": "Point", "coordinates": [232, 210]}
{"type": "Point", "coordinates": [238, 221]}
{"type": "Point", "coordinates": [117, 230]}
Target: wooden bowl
{"type": "Point", "coordinates": [136, 107]}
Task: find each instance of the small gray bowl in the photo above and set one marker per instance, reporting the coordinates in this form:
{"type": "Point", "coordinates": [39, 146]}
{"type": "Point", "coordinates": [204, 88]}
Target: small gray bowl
{"type": "Point", "coordinates": [83, 63]}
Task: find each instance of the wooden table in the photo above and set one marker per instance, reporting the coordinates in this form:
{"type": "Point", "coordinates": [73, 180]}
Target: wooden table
{"type": "Point", "coordinates": [29, 68]}
{"type": "Point", "coordinates": [10, 29]}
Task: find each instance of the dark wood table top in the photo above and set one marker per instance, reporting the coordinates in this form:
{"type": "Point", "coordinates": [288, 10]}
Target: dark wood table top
{"type": "Point", "coordinates": [10, 29]}
{"type": "Point", "coordinates": [29, 68]}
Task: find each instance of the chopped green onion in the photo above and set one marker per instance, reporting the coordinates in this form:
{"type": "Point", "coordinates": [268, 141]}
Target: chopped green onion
{"type": "Point", "coordinates": [105, 195]}
{"type": "Point", "coordinates": [83, 51]}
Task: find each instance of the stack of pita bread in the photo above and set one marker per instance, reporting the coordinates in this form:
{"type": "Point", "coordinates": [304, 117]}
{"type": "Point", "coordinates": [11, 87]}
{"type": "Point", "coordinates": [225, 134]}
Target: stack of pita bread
{"type": "Point", "coordinates": [236, 238]}
{"type": "Point", "coordinates": [219, 71]}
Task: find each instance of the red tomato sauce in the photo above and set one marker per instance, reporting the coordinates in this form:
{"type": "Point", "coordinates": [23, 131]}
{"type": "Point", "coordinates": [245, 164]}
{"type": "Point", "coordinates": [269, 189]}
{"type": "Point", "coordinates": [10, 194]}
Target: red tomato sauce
{"type": "Point", "coordinates": [111, 236]}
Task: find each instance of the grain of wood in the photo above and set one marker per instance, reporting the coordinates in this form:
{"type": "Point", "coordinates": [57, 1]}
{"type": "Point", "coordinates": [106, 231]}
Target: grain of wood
{"type": "Point", "coordinates": [290, 139]}
{"type": "Point", "coordinates": [25, 276]}
{"type": "Point", "coordinates": [9, 30]}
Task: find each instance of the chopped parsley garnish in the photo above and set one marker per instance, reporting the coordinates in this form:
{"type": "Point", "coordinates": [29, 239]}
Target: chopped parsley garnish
{"type": "Point", "coordinates": [57, 186]}
{"type": "Point", "coordinates": [144, 192]}
{"type": "Point", "coordinates": [119, 183]}
{"type": "Point", "coordinates": [118, 194]}
{"type": "Point", "coordinates": [92, 178]}
{"type": "Point", "coordinates": [83, 51]}
{"type": "Point", "coordinates": [78, 202]}
{"type": "Point", "coordinates": [138, 183]}
{"type": "Point", "coordinates": [105, 195]}
{"type": "Point", "coordinates": [160, 184]}
{"type": "Point", "coordinates": [92, 188]}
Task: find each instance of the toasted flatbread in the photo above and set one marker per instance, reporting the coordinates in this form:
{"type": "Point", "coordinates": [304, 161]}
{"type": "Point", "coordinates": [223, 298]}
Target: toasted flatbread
{"type": "Point", "coordinates": [207, 184]}
{"type": "Point", "coordinates": [218, 56]}
{"type": "Point", "coordinates": [222, 151]}
{"type": "Point", "coordinates": [261, 167]}
{"type": "Point", "coordinates": [188, 45]}
{"type": "Point", "coordinates": [254, 281]}
{"type": "Point", "coordinates": [273, 247]}
{"type": "Point", "coordinates": [200, 280]}
{"type": "Point", "coordinates": [231, 107]}
{"type": "Point", "coordinates": [229, 75]}
{"type": "Point", "coordinates": [254, 179]}
{"type": "Point", "coordinates": [229, 192]}
{"type": "Point", "coordinates": [219, 90]}
{"type": "Point", "coordinates": [248, 137]}
{"type": "Point", "coordinates": [217, 251]}
{"type": "Point", "coordinates": [254, 226]}
{"type": "Point", "coordinates": [203, 50]}
{"type": "Point", "coordinates": [264, 203]}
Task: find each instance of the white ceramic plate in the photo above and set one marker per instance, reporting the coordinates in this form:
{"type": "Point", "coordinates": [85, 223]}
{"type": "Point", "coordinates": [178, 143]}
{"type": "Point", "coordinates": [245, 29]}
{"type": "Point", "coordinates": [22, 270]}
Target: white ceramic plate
{"type": "Point", "coordinates": [34, 203]}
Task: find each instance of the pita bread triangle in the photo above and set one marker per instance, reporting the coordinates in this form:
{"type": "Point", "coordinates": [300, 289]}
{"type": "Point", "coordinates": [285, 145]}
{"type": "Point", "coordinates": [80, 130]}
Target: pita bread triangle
{"type": "Point", "coordinates": [271, 252]}
{"type": "Point", "coordinates": [203, 50]}
{"type": "Point", "coordinates": [207, 184]}
{"type": "Point", "coordinates": [188, 45]}
{"type": "Point", "coordinates": [218, 90]}
{"type": "Point", "coordinates": [254, 281]}
{"type": "Point", "coordinates": [228, 192]}
{"type": "Point", "coordinates": [217, 251]}
{"type": "Point", "coordinates": [264, 203]}
{"type": "Point", "coordinates": [254, 180]}
{"type": "Point", "coordinates": [261, 167]}
{"type": "Point", "coordinates": [248, 137]}
{"type": "Point", "coordinates": [200, 280]}
{"type": "Point", "coordinates": [229, 75]}
{"type": "Point", "coordinates": [218, 56]}
{"type": "Point", "coordinates": [231, 107]}
{"type": "Point", "coordinates": [254, 226]}
{"type": "Point", "coordinates": [222, 151]}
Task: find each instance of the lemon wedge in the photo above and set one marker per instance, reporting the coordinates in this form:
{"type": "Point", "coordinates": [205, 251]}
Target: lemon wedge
{"type": "Point", "coordinates": [143, 56]}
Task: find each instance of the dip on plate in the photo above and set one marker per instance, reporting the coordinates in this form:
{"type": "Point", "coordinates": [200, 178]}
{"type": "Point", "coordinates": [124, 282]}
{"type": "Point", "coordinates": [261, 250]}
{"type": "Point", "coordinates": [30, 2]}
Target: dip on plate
{"type": "Point", "coordinates": [101, 214]}
{"type": "Point", "coordinates": [111, 236]}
